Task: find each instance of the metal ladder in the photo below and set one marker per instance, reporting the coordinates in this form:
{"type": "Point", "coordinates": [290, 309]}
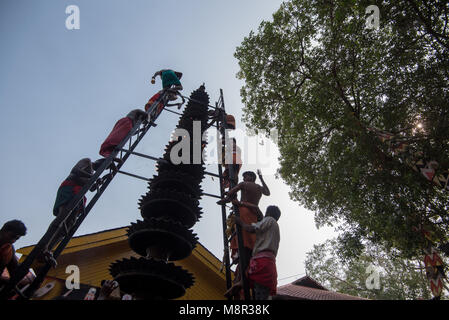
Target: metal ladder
{"type": "Point", "coordinates": [222, 126]}
{"type": "Point", "coordinates": [140, 128]}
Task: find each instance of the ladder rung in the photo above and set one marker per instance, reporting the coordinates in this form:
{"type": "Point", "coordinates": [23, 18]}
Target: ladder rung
{"type": "Point", "coordinates": [212, 174]}
{"type": "Point", "coordinates": [180, 114]}
{"type": "Point", "coordinates": [211, 195]}
{"type": "Point", "coordinates": [142, 155]}
{"type": "Point", "coordinates": [133, 175]}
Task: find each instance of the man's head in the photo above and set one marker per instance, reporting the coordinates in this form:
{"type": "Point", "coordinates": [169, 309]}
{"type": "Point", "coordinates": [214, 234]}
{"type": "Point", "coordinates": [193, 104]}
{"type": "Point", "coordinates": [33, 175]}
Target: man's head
{"type": "Point", "coordinates": [274, 212]}
{"type": "Point", "coordinates": [230, 121]}
{"type": "Point", "coordinates": [12, 231]}
{"type": "Point", "coordinates": [178, 74]}
{"type": "Point", "coordinates": [249, 176]}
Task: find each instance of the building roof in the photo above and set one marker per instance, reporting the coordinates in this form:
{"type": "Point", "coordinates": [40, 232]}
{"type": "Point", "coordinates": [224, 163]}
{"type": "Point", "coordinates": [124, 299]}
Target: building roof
{"type": "Point", "coordinates": [307, 288]}
{"type": "Point", "coordinates": [93, 254]}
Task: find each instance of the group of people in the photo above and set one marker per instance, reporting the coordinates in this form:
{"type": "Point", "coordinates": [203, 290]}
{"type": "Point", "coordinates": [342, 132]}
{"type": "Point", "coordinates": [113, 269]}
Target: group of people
{"type": "Point", "coordinates": [260, 234]}
{"type": "Point", "coordinates": [82, 172]}
{"type": "Point", "coordinates": [260, 238]}
{"type": "Point", "coordinates": [79, 176]}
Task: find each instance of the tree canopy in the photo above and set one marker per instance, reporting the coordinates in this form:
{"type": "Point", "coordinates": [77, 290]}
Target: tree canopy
{"type": "Point", "coordinates": [398, 278]}
{"type": "Point", "coordinates": [319, 76]}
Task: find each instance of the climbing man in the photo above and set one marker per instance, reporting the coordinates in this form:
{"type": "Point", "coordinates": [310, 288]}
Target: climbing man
{"type": "Point", "coordinates": [236, 164]}
{"type": "Point", "coordinates": [249, 213]}
{"type": "Point", "coordinates": [11, 232]}
{"type": "Point", "coordinates": [69, 188]}
{"type": "Point", "coordinates": [121, 129]}
{"type": "Point", "coordinates": [152, 100]}
{"type": "Point", "coordinates": [170, 80]}
{"type": "Point", "coordinates": [230, 122]}
{"type": "Point", "coordinates": [262, 266]}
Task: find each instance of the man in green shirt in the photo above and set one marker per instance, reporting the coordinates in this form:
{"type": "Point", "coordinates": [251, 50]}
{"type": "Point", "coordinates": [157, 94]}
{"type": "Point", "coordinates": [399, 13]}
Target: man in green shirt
{"type": "Point", "coordinates": [170, 80]}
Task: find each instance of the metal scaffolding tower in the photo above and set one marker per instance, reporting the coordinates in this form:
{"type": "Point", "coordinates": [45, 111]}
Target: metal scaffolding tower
{"type": "Point", "coordinates": [99, 184]}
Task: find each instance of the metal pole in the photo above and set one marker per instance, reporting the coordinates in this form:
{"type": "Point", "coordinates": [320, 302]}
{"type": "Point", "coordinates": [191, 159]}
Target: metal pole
{"type": "Point", "coordinates": [223, 218]}
{"type": "Point", "coordinates": [225, 238]}
{"type": "Point", "coordinates": [242, 254]}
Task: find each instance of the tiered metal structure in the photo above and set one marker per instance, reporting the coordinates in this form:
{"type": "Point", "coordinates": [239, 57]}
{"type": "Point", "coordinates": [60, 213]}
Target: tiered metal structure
{"type": "Point", "coordinates": [170, 208]}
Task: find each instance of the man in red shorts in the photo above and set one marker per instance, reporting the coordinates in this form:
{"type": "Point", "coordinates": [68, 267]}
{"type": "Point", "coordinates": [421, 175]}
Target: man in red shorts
{"type": "Point", "coordinates": [120, 131]}
{"type": "Point", "coordinates": [69, 188]}
{"type": "Point", "coordinates": [262, 266]}
{"type": "Point", "coordinates": [251, 193]}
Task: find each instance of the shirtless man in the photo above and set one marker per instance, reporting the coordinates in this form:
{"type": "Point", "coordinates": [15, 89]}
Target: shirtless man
{"type": "Point", "coordinates": [251, 192]}
{"type": "Point", "coordinates": [249, 211]}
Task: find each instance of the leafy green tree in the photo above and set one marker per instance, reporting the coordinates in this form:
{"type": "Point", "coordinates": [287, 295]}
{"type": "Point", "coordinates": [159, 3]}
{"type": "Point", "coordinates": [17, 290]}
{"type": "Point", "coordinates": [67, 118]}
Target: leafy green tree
{"type": "Point", "coordinates": [399, 279]}
{"type": "Point", "coordinates": [322, 78]}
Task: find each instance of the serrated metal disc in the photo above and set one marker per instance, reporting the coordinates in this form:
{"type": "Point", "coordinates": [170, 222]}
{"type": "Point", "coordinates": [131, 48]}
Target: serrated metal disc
{"type": "Point", "coordinates": [150, 279]}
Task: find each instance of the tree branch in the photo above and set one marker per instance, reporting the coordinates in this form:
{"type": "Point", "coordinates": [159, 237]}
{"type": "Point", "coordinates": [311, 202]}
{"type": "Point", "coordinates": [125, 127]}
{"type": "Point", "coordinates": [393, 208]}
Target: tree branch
{"type": "Point", "coordinates": [340, 90]}
{"type": "Point", "coordinates": [427, 24]}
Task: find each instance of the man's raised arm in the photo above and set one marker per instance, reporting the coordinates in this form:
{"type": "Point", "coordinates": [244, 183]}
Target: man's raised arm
{"type": "Point", "coordinates": [265, 190]}
{"type": "Point", "coordinates": [157, 73]}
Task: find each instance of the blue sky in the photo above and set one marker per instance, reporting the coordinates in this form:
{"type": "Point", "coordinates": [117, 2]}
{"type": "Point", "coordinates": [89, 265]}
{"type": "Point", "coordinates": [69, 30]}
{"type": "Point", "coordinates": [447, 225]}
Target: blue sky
{"type": "Point", "coordinates": [61, 92]}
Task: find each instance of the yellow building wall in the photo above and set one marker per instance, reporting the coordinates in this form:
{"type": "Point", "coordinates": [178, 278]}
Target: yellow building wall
{"type": "Point", "coordinates": [93, 256]}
